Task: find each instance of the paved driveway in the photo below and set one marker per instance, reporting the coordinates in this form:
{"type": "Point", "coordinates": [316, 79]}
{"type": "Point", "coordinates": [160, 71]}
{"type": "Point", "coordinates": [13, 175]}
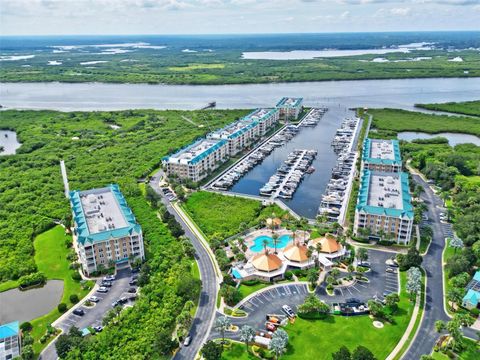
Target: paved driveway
{"type": "Point", "coordinates": [94, 315]}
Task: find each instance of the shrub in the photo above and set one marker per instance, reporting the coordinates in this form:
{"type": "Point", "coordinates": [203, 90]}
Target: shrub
{"type": "Point", "coordinates": [250, 282]}
{"type": "Point", "coordinates": [26, 326]}
{"type": "Point", "coordinates": [475, 312]}
{"type": "Point", "coordinates": [74, 298]}
{"type": "Point", "coordinates": [288, 275]}
{"type": "Point", "coordinates": [76, 276]}
{"type": "Point", "coordinates": [32, 279]}
{"type": "Point", "coordinates": [62, 307]}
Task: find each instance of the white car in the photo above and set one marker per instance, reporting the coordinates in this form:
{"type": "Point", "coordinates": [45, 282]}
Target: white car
{"type": "Point", "coordinates": [288, 310]}
{"type": "Point", "coordinates": [102, 289]}
{"type": "Point", "coordinates": [94, 299]}
{"type": "Point", "coordinates": [109, 278]}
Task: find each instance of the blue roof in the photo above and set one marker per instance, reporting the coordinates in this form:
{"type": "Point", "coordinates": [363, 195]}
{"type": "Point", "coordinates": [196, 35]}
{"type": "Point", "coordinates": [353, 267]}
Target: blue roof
{"type": "Point", "coordinates": [83, 231]}
{"type": "Point", "coordinates": [477, 276]}
{"type": "Point", "coordinates": [262, 117]}
{"type": "Point", "coordinates": [363, 194]}
{"type": "Point", "coordinates": [8, 330]}
{"type": "Point", "coordinates": [367, 148]}
{"type": "Point", "coordinates": [296, 102]}
{"type": "Point", "coordinates": [472, 297]}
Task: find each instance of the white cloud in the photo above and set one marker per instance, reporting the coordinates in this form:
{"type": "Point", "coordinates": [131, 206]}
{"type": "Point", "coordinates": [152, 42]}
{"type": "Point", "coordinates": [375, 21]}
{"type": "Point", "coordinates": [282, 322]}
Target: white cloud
{"type": "Point", "coordinates": [400, 11]}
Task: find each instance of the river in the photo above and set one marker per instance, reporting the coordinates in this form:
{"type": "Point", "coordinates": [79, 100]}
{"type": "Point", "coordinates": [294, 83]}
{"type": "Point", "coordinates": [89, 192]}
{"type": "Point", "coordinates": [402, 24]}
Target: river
{"type": "Point", "coordinates": [398, 93]}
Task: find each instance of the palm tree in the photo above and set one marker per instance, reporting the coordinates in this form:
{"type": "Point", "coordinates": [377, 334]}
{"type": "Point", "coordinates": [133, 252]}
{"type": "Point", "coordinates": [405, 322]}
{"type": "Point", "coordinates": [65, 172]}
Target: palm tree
{"type": "Point", "coordinates": [362, 254]}
{"type": "Point", "coordinates": [222, 324]}
{"type": "Point", "coordinates": [310, 251]}
{"type": "Point", "coordinates": [247, 334]}
{"type": "Point", "coordinates": [275, 241]}
{"type": "Point", "coordinates": [279, 342]}
{"type": "Point", "coordinates": [318, 247]}
{"type": "Point", "coordinates": [294, 229]}
{"type": "Point", "coordinates": [312, 277]}
{"type": "Point", "coordinates": [265, 244]}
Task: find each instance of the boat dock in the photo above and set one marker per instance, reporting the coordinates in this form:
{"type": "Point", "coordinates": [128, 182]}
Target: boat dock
{"type": "Point", "coordinates": [335, 199]}
{"type": "Point", "coordinates": [288, 176]}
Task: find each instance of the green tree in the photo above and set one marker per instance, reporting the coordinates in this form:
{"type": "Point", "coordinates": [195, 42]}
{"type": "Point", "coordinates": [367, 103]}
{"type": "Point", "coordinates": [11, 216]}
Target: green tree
{"type": "Point", "coordinates": [222, 324]}
{"type": "Point", "coordinates": [164, 344]}
{"type": "Point", "coordinates": [439, 325]}
{"type": "Point", "coordinates": [414, 282]}
{"type": "Point", "coordinates": [212, 351]}
{"type": "Point", "coordinates": [362, 254]}
{"type": "Point", "coordinates": [392, 300]}
{"type": "Point", "coordinates": [342, 354]}
{"type": "Point", "coordinates": [362, 353]}
{"type": "Point", "coordinates": [247, 335]}
{"type": "Point", "coordinates": [275, 241]}
{"type": "Point", "coordinates": [27, 353]}
{"type": "Point", "coordinates": [312, 276]}
{"type": "Point", "coordinates": [279, 342]}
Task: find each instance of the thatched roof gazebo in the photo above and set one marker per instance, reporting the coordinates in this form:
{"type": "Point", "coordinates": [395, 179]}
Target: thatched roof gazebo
{"type": "Point", "coordinates": [329, 244]}
{"type": "Point", "coordinates": [274, 223]}
{"type": "Point", "coordinates": [266, 262]}
{"type": "Point", "coordinates": [296, 253]}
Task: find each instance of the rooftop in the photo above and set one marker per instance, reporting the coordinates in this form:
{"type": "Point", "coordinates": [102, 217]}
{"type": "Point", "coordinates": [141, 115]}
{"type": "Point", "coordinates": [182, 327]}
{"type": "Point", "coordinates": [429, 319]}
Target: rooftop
{"type": "Point", "coordinates": [290, 102]}
{"type": "Point", "coordinates": [195, 152]}
{"type": "Point", "coordinates": [260, 114]}
{"type": "Point", "coordinates": [381, 151]}
{"type": "Point", "coordinates": [385, 193]}
{"type": "Point", "coordinates": [101, 214]}
{"type": "Point", "coordinates": [329, 244]}
{"type": "Point", "coordinates": [266, 262]}
{"type": "Point", "coordinates": [234, 129]}
{"type": "Point", "coordinates": [8, 330]}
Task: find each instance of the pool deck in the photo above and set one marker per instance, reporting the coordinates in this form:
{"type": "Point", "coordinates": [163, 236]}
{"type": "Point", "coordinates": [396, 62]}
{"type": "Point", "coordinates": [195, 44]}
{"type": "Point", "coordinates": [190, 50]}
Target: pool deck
{"type": "Point", "coordinates": [250, 238]}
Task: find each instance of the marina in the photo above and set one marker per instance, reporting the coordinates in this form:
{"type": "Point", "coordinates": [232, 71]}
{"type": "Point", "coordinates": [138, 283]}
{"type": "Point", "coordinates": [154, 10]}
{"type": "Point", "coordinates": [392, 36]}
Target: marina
{"type": "Point", "coordinates": [232, 175]}
{"type": "Point", "coordinates": [335, 199]}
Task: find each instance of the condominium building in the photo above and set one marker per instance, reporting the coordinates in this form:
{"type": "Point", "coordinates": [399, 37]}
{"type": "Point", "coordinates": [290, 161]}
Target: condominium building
{"type": "Point", "coordinates": [266, 119]}
{"type": "Point", "coordinates": [381, 155]}
{"type": "Point", "coordinates": [197, 160]}
{"type": "Point", "coordinates": [10, 342]}
{"type": "Point", "coordinates": [105, 228]}
{"type": "Point", "coordinates": [290, 108]}
{"type": "Point", "coordinates": [238, 135]}
{"type": "Point", "coordinates": [384, 206]}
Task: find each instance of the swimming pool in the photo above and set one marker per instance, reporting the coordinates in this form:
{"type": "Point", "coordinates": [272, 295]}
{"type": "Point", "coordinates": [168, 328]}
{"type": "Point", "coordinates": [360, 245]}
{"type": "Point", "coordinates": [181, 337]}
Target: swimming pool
{"type": "Point", "coordinates": [258, 242]}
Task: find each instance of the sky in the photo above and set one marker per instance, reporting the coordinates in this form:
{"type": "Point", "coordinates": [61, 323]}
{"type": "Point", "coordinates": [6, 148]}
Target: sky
{"type": "Point", "coordinates": [73, 17]}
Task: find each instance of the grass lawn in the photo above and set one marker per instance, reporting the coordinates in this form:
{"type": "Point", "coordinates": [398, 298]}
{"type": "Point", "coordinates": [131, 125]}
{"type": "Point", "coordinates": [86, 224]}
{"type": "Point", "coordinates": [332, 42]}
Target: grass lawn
{"type": "Point", "coordinates": [7, 285]}
{"type": "Point", "coordinates": [246, 290]}
{"type": "Point", "coordinates": [51, 259]}
{"type": "Point", "coordinates": [448, 253]}
{"type": "Point", "coordinates": [395, 120]}
{"type": "Point", "coordinates": [223, 216]}
{"type": "Point", "coordinates": [237, 352]}
{"type": "Point", "coordinates": [471, 352]}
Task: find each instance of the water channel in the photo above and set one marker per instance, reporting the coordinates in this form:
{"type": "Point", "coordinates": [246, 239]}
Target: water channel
{"type": "Point", "coordinates": [453, 138]}
{"type": "Point", "coordinates": [8, 142]}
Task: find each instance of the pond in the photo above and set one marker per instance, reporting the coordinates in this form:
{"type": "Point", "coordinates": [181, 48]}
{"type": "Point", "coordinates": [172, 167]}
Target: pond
{"type": "Point", "coordinates": [453, 138]}
{"type": "Point", "coordinates": [9, 142]}
{"type": "Point", "coordinates": [27, 305]}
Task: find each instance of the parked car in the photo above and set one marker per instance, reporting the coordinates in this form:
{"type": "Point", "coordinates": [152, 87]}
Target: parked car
{"type": "Point", "coordinates": [390, 270]}
{"type": "Point", "coordinates": [116, 303]}
{"type": "Point", "coordinates": [102, 289]}
{"type": "Point", "coordinates": [135, 270]}
{"type": "Point", "coordinates": [98, 328]}
{"type": "Point", "coordinates": [132, 282]}
{"type": "Point", "coordinates": [271, 327]}
{"type": "Point", "coordinates": [93, 299]}
{"type": "Point", "coordinates": [187, 340]}
{"type": "Point", "coordinates": [106, 284]}
{"type": "Point", "coordinates": [79, 312]}
{"type": "Point", "coordinates": [288, 310]}
{"type": "Point", "coordinates": [123, 300]}
{"type": "Point", "coordinates": [364, 264]}
{"type": "Point", "coordinates": [109, 278]}
{"type": "Point", "coordinates": [132, 290]}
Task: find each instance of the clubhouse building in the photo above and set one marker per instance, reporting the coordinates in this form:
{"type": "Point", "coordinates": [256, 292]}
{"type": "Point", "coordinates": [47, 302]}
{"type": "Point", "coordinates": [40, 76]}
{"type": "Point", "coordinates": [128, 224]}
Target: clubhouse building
{"type": "Point", "coordinates": [105, 229]}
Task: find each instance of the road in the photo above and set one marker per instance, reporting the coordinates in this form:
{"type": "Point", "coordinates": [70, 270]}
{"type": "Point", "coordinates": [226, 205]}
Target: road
{"type": "Point", "coordinates": [432, 263]}
{"type": "Point", "coordinates": [207, 304]}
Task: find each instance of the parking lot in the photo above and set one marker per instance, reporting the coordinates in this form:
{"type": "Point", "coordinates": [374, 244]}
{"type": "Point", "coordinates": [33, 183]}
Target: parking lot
{"type": "Point", "coordinates": [271, 300]}
{"type": "Point", "coordinates": [94, 315]}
